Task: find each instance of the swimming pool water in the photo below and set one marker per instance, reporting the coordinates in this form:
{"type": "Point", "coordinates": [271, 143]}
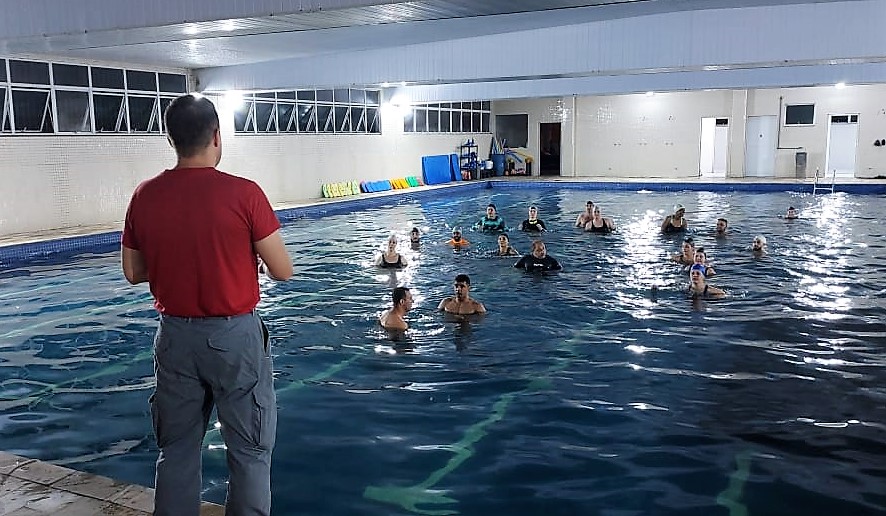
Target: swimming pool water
{"type": "Point", "coordinates": [579, 392]}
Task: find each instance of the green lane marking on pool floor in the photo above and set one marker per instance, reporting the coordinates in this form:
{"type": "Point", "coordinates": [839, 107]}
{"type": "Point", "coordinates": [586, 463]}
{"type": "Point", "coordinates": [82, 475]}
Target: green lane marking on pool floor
{"type": "Point", "coordinates": [731, 496]}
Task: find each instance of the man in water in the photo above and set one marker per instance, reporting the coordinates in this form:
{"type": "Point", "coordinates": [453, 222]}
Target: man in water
{"type": "Point", "coordinates": [491, 221]}
{"type": "Point", "coordinates": [533, 223]}
{"type": "Point", "coordinates": [585, 216]}
{"type": "Point", "coordinates": [415, 238]}
{"type": "Point", "coordinates": [722, 228]}
{"type": "Point", "coordinates": [197, 252]}
{"type": "Point", "coordinates": [791, 213]}
{"type": "Point", "coordinates": [538, 260]}
{"type": "Point", "coordinates": [457, 241]}
{"type": "Point", "coordinates": [462, 303]}
{"type": "Point", "coordinates": [393, 318]}
{"type": "Point", "coordinates": [675, 223]}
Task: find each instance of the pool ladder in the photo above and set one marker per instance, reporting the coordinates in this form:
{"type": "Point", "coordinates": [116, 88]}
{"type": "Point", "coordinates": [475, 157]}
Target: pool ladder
{"type": "Point", "coordinates": [819, 187]}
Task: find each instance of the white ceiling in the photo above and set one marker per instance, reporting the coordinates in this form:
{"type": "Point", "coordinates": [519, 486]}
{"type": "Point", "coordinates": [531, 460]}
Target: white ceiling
{"type": "Point", "coordinates": [197, 34]}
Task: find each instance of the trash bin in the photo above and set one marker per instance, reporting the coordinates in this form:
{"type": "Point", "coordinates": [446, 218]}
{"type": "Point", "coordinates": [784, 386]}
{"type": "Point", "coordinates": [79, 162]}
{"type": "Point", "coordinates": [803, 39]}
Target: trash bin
{"type": "Point", "coordinates": [800, 165]}
{"type": "Point", "coordinates": [498, 163]}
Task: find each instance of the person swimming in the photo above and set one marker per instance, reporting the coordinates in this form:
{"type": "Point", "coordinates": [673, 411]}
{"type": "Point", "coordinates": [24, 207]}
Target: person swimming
{"type": "Point", "coordinates": [391, 259]}
{"type": "Point", "coordinates": [533, 223]}
{"type": "Point", "coordinates": [599, 223]}
{"type": "Point", "coordinates": [675, 223]}
{"type": "Point", "coordinates": [698, 287]}
{"type": "Point", "coordinates": [538, 260]}
{"type": "Point", "coordinates": [491, 221]}
{"type": "Point", "coordinates": [457, 241]}
{"type": "Point", "coordinates": [687, 254]}
{"type": "Point", "coordinates": [504, 247]}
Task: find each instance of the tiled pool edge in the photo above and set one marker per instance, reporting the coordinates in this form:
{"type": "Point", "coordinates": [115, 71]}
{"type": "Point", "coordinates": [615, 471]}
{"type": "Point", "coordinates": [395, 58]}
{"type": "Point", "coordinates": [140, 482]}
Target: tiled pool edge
{"type": "Point", "coordinates": [62, 490]}
{"type": "Point", "coordinates": [18, 254]}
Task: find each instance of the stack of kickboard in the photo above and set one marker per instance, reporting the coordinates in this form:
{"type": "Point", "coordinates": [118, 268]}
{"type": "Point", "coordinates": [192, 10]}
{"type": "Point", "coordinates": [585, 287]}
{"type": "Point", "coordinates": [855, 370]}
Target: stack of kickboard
{"type": "Point", "coordinates": [386, 184]}
{"type": "Point", "coordinates": [341, 189]}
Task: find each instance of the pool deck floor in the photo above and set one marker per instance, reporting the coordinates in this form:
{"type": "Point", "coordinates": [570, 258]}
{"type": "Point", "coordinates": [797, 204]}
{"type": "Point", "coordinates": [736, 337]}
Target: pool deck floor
{"type": "Point", "coordinates": [30, 487]}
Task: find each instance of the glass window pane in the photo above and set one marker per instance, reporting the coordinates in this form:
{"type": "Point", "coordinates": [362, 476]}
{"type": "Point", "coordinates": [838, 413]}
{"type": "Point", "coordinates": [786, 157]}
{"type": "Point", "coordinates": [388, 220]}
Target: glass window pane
{"type": "Point", "coordinates": [269, 95]}
{"type": "Point", "coordinates": [73, 111]}
{"type": "Point", "coordinates": [285, 119]}
{"type": "Point", "coordinates": [110, 115]}
{"type": "Point", "coordinates": [324, 95]}
{"type": "Point", "coordinates": [28, 72]}
{"type": "Point", "coordinates": [341, 96]}
{"type": "Point", "coordinates": [33, 113]}
{"type": "Point", "coordinates": [143, 114]}
{"type": "Point", "coordinates": [307, 120]}
{"type": "Point", "coordinates": [445, 126]}
{"type": "Point", "coordinates": [70, 75]}
{"type": "Point", "coordinates": [409, 121]}
{"type": "Point", "coordinates": [289, 95]}
{"type": "Point", "coordinates": [358, 96]}
{"type": "Point", "coordinates": [485, 105]}
{"type": "Point", "coordinates": [306, 95]}
{"type": "Point", "coordinates": [374, 126]}
{"type": "Point", "coordinates": [476, 105]}
{"type": "Point", "coordinates": [325, 119]}
{"type": "Point", "coordinates": [372, 97]}
{"type": "Point", "coordinates": [465, 122]}
{"type": "Point", "coordinates": [342, 119]}
{"type": "Point", "coordinates": [164, 103]}
{"type": "Point", "coordinates": [173, 82]}
{"type": "Point", "coordinates": [433, 121]}
{"type": "Point", "coordinates": [484, 123]}
{"type": "Point", "coordinates": [141, 81]}
{"type": "Point", "coordinates": [242, 116]}
{"type": "Point", "coordinates": [2, 70]}
{"type": "Point", "coordinates": [107, 78]}
{"type": "Point", "coordinates": [358, 119]}
{"type": "Point", "coordinates": [5, 122]}
{"type": "Point", "coordinates": [265, 118]}
{"type": "Point", "coordinates": [475, 124]}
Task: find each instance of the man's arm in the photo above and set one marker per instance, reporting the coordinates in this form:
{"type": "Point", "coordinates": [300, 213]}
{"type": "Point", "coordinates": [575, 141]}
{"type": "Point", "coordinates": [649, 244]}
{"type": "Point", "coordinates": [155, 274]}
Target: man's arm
{"type": "Point", "coordinates": [664, 225]}
{"type": "Point", "coordinates": [442, 305]}
{"type": "Point", "coordinates": [273, 252]}
{"type": "Point", "coordinates": [134, 267]}
{"type": "Point", "coordinates": [479, 308]}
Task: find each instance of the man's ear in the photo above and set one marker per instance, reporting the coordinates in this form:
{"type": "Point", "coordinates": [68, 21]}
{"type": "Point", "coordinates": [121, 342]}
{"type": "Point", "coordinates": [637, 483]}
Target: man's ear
{"type": "Point", "coordinates": [168, 139]}
{"type": "Point", "coordinates": [216, 137]}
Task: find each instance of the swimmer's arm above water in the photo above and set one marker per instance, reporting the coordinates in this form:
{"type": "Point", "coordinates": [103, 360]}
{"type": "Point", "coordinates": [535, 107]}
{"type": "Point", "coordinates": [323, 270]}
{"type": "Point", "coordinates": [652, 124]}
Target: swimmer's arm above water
{"type": "Point", "coordinates": [134, 267]}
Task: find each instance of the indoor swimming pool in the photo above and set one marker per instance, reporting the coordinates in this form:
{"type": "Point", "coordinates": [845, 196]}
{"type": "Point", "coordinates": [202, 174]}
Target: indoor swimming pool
{"type": "Point", "coordinates": [580, 392]}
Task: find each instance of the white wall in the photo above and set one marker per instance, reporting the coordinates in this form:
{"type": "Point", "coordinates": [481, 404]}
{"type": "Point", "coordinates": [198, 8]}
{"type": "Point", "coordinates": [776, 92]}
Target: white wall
{"type": "Point", "coordinates": [53, 182]}
{"type": "Point", "coordinates": [659, 136]}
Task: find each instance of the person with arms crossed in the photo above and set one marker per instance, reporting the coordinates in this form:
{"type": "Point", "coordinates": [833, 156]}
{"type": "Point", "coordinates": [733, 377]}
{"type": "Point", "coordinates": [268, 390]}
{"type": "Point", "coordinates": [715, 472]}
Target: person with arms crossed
{"type": "Point", "coordinates": [193, 233]}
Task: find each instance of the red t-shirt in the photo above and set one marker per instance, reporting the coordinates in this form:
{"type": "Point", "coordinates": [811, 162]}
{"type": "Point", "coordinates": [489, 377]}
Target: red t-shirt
{"type": "Point", "coordinates": [195, 228]}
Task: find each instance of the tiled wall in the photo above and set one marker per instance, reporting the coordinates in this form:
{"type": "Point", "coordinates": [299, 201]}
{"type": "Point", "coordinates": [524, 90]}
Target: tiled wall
{"type": "Point", "coordinates": [55, 182]}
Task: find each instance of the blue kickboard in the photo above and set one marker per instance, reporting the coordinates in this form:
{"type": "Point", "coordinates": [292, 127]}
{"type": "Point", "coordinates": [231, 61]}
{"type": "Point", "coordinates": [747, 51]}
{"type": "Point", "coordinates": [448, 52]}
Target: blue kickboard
{"type": "Point", "coordinates": [454, 167]}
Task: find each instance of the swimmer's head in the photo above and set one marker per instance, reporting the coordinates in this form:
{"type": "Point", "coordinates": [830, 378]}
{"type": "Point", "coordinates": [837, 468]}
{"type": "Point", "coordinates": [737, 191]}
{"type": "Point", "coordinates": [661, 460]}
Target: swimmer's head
{"type": "Point", "coordinates": [392, 242]}
{"type": "Point", "coordinates": [533, 212]}
{"type": "Point", "coordinates": [759, 243]}
{"type": "Point", "coordinates": [456, 234]}
{"type": "Point", "coordinates": [490, 210]}
{"type": "Point", "coordinates": [503, 240]}
{"type": "Point", "coordinates": [414, 235]}
{"type": "Point", "coordinates": [697, 270]}
{"type": "Point", "coordinates": [679, 209]}
{"type": "Point", "coordinates": [722, 224]}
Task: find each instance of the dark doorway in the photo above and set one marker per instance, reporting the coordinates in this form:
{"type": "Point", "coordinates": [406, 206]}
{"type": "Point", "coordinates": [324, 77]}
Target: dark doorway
{"type": "Point", "coordinates": [549, 142]}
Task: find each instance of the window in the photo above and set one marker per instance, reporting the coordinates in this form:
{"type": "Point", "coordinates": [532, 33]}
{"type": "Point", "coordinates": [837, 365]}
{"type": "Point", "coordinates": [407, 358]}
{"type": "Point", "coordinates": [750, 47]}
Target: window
{"type": "Point", "coordinates": [448, 117]}
{"type": "Point", "coordinates": [28, 72]}
{"type": "Point", "coordinates": [144, 116]}
{"type": "Point", "coordinates": [110, 113]}
{"type": "Point", "coordinates": [173, 83]}
{"type": "Point", "coordinates": [74, 115]}
{"type": "Point", "coordinates": [110, 78]}
{"type": "Point", "coordinates": [33, 111]}
{"type": "Point", "coordinates": [5, 122]}
{"type": "Point", "coordinates": [70, 75]}
{"type": "Point", "coordinates": [799, 114]}
{"type": "Point", "coordinates": [141, 81]}
{"type": "Point", "coordinates": [309, 111]}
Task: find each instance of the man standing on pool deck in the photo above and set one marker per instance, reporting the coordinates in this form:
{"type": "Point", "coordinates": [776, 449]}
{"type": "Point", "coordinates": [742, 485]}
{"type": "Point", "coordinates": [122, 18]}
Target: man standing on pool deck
{"type": "Point", "coordinates": [193, 233]}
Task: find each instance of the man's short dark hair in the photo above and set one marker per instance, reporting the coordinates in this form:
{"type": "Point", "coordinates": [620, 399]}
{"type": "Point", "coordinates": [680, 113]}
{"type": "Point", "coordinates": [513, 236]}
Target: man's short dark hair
{"type": "Point", "coordinates": [724, 221]}
{"type": "Point", "coordinates": [463, 278]}
{"type": "Point", "coordinates": [399, 294]}
{"type": "Point", "coordinates": [490, 205]}
{"type": "Point", "coordinates": [191, 122]}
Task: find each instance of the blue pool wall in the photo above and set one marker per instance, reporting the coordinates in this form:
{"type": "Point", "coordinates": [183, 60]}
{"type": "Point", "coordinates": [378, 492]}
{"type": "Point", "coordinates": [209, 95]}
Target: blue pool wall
{"type": "Point", "coordinates": [57, 250]}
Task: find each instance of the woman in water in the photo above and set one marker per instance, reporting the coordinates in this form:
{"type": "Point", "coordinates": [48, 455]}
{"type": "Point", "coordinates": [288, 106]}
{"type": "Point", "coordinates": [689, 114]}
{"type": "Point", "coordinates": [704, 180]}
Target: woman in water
{"type": "Point", "coordinates": [390, 258]}
{"type": "Point", "coordinates": [504, 247]}
{"type": "Point", "coordinates": [599, 223]}
{"type": "Point", "coordinates": [686, 256]}
{"type": "Point", "coordinates": [698, 288]}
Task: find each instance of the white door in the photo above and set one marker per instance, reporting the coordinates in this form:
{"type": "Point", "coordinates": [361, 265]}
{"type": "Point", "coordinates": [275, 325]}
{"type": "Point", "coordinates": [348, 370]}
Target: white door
{"type": "Point", "coordinates": [760, 143]}
{"type": "Point", "coordinates": [842, 145]}
{"type": "Point", "coordinates": [714, 147]}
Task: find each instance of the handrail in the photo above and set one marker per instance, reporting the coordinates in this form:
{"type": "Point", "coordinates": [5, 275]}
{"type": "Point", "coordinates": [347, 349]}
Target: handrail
{"type": "Point", "coordinates": [822, 188]}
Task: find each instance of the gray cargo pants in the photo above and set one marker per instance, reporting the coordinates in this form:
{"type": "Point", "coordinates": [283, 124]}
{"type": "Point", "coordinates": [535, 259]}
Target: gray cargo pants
{"type": "Point", "coordinates": [200, 363]}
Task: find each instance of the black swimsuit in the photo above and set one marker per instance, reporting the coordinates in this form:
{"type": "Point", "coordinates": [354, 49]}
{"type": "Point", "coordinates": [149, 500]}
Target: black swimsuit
{"type": "Point", "coordinates": [392, 265]}
{"type": "Point", "coordinates": [601, 229]}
